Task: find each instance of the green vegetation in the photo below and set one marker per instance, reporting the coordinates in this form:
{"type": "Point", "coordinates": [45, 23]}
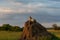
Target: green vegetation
{"type": "Point", "coordinates": [8, 27]}
{"type": "Point", "coordinates": [9, 32]}
{"type": "Point", "coordinates": [55, 34]}
{"type": "Point", "coordinates": [56, 27]}
{"type": "Point", "coordinates": [7, 35]}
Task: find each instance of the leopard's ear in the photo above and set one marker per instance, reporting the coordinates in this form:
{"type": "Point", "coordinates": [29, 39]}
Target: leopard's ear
{"type": "Point", "coordinates": [30, 18]}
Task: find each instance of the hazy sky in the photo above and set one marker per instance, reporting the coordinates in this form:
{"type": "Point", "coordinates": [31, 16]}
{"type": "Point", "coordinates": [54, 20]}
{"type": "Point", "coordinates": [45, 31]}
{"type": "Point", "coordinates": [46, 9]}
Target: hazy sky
{"type": "Point", "coordinates": [16, 12]}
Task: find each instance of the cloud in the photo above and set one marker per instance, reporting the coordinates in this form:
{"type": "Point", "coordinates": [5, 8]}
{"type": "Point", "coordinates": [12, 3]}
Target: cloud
{"type": "Point", "coordinates": [22, 8]}
{"type": "Point", "coordinates": [16, 11]}
{"type": "Point", "coordinates": [55, 0]}
{"type": "Point", "coordinates": [26, 1]}
{"type": "Point", "coordinates": [30, 8]}
{"type": "Point", "coordinates": [16, 3]}
{"type": "Point", "coordinates": [19, 19]}
{"type": "Point", "coordinates": [17, 6]}
{"type": "Point", "coordinates": [5, 10]}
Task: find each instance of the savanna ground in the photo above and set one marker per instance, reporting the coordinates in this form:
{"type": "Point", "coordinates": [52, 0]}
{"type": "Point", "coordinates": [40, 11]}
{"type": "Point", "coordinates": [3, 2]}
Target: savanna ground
{"type": "Point", "coordinates": [55, 32]}
{"type": "Point", "coordinates": [6, 35]}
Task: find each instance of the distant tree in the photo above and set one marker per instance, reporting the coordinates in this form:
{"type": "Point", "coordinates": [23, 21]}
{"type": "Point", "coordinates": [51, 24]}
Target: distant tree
{"type": "Point", "coordinates": [6, 27]}
{"type": "Point", "coordinates": [16, 28]}
{"type": "Point", "coordinates": [21, 29]}
{"type": "Point", "coordinates": [55, 26]}
{"type": "Point", "coordinates": [1, 28]}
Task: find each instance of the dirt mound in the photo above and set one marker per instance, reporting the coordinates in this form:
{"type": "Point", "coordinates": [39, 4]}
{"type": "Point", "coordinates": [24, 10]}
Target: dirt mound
{"type": "Point", "coordinates": [34, 31]}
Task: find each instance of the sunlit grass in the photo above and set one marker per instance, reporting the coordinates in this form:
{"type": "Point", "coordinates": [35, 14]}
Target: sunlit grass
{"type": "Point", "coordinates": [6, 35]}
{"type": "Point", "coordinates": [55, 32]}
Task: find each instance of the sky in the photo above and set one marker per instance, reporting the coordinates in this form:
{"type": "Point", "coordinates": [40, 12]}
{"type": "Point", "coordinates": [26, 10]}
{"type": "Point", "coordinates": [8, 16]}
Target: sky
{"type": "Point", "coordinates": [16, 12]}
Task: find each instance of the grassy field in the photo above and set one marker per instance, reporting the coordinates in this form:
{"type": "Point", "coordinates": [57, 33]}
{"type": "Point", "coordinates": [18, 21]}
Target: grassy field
{"type": "Point", "coordinates": [55, 32]}
{"type": "Point", "coordinates": [6, 35]}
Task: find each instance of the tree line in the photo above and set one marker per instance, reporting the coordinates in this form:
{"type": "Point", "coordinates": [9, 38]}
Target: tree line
{"type": "Point", "coordinates": [8, 27]}
{"type": "Point", "coordinates": [56, 27]}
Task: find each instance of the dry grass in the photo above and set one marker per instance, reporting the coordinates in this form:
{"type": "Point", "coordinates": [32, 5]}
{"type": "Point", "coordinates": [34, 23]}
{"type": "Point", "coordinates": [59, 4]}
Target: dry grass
{"type": "Point", "coordinates": [55, 32]}
{"type": "Point", "coordinates": [5, 35]}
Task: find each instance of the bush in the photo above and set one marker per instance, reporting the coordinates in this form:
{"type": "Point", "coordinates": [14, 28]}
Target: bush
{"type": "Point", "coordinates": [16, 28]}
{"type": "Point", "coordinates": [8, 27]}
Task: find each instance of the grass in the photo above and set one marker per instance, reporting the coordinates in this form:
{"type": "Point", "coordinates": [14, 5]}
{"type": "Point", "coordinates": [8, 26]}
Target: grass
{"type": "Point", "coordinates": [6, 35]}
{"type": "Point", "coordinates": [55, 32]}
